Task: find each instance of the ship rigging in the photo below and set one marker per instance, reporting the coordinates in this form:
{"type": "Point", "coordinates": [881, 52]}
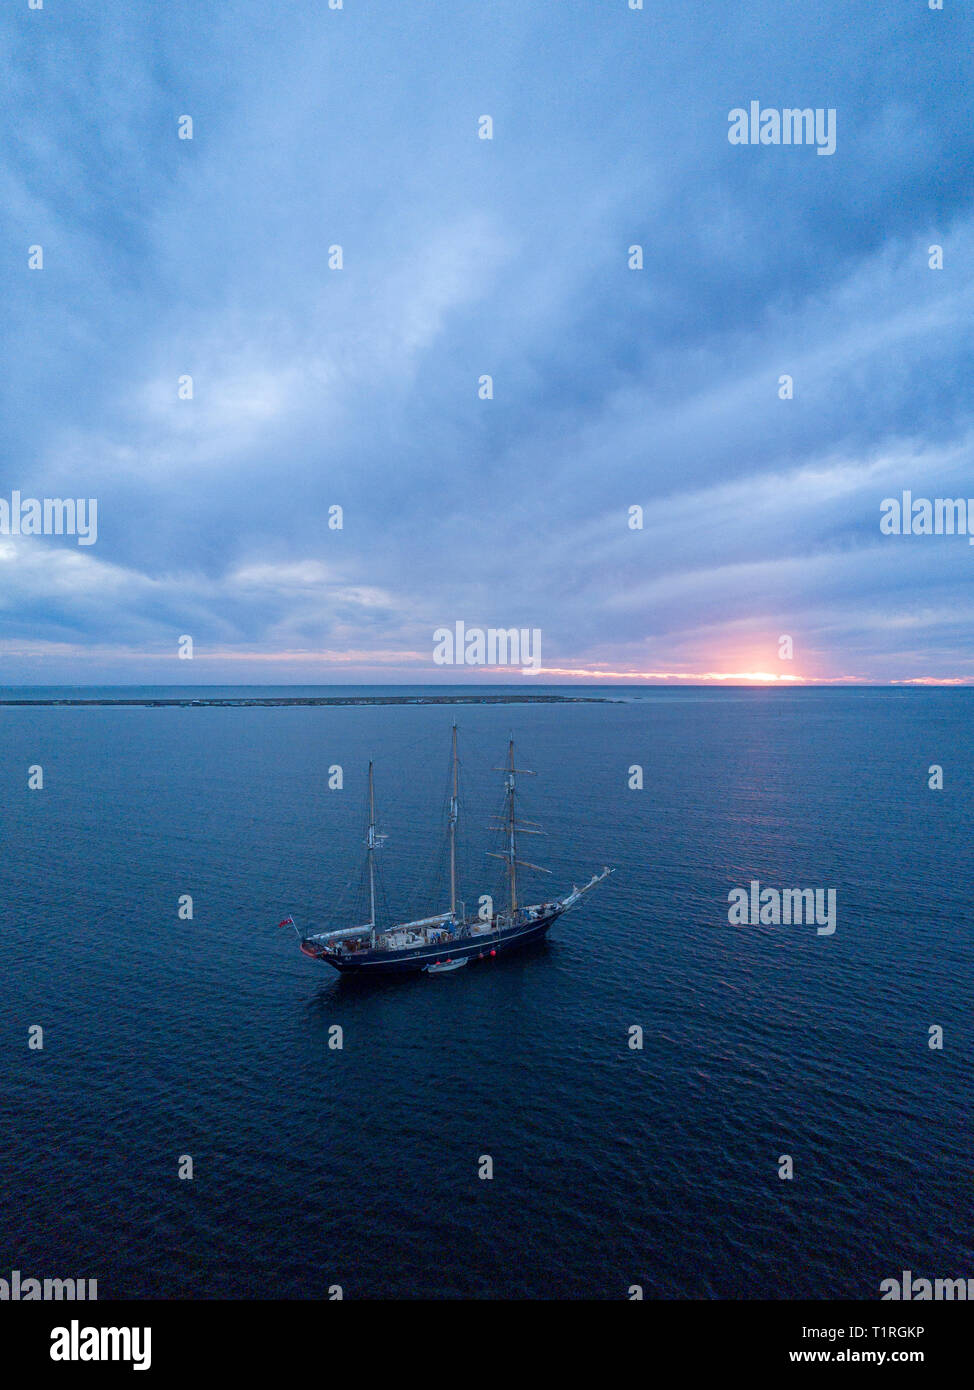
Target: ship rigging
{"type": "Point", "coordinates": [447, 940]}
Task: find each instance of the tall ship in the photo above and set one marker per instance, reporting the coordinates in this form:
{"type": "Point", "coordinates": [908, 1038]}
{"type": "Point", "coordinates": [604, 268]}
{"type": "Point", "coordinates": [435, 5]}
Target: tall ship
{"type": "Point", "coordinates": [447, 940]}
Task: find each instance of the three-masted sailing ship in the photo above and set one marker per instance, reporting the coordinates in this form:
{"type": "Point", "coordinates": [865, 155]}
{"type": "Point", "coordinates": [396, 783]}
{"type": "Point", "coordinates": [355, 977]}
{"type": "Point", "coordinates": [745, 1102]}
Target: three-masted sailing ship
{"type": "Point", "coordinates": [450, 939]}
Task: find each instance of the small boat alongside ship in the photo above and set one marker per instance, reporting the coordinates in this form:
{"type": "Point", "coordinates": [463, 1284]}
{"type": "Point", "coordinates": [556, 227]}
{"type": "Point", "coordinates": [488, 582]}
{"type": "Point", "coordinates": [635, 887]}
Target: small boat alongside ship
{"type": "Point", "coordinates": [449, 940]}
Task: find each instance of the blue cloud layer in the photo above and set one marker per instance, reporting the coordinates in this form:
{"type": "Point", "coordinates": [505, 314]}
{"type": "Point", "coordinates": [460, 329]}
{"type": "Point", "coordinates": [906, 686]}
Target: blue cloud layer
{"type": "Point", "coordinates": [462, 257]}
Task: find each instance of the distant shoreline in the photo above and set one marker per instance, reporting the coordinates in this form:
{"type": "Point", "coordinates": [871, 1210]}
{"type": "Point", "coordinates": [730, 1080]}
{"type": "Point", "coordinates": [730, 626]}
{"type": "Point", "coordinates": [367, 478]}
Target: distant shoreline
{"type": "Point", "coordinates": [263, 702]}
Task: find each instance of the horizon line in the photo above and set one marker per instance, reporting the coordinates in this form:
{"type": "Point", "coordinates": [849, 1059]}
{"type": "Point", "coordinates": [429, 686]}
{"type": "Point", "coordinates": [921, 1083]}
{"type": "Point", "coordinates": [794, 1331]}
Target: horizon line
{"type": "Point", "coordinates": [686, 683]}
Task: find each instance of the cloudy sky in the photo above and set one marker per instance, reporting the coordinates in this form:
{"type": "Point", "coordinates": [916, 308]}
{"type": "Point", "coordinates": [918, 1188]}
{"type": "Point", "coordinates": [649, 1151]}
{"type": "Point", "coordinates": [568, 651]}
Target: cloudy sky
{"type": "Point", "coordinates": [462, 257]}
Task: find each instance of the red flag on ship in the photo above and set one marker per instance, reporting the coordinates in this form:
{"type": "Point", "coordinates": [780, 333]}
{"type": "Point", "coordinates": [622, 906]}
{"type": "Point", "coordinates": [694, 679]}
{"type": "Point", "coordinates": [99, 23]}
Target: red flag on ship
{"type": "Point", "coordinates": [288, 922]}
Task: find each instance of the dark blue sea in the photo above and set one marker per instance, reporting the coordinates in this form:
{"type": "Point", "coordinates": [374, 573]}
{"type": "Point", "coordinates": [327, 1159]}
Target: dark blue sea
{"type": "Point", "coordinates": [358, 1167]}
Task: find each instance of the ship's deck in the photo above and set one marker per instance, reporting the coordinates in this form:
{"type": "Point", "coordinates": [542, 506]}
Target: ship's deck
{"type": "Point", "coordinates": [431, 931]}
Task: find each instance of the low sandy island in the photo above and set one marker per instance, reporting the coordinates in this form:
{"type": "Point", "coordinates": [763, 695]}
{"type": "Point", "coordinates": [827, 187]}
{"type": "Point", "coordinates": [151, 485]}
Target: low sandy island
{"type": "Point", "coordinates": [271, 700]}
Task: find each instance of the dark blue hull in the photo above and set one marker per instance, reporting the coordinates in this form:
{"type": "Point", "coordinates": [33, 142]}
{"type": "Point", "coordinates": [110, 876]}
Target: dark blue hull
{"type": "Point", "coordinates": [421, 957]}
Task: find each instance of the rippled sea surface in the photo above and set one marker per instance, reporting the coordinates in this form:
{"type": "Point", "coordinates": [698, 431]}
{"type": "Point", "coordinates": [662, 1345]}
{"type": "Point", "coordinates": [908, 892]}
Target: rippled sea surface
{"type": "Point", "coordinates": [315, 1166]}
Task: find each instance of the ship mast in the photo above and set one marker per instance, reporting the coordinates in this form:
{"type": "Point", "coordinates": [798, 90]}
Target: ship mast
{"type": "Point", "coordinates": [511, 826]}
{"type": "Point", "coordinates": [454, 811]}
{"type": "Point", "coordinates": [371, 843]}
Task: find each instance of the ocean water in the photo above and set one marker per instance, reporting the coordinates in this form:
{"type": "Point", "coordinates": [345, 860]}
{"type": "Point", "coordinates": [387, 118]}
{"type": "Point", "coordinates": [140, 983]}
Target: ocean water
{"type": "Point", "coordinates": [315, 1166]}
